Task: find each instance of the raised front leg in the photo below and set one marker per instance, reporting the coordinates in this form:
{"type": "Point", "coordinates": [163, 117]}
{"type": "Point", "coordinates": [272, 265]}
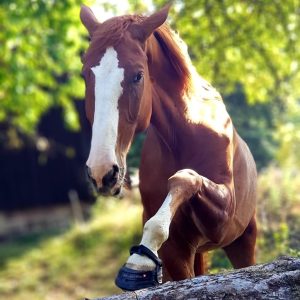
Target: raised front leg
{"type": "Point", "coordinates": [214, 204]}
{"type": "Point", "coordinates": [182, 186]}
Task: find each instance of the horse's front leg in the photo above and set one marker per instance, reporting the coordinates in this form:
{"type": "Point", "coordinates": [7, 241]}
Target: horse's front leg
{"type": "Point", "coordinates": [184, 185]}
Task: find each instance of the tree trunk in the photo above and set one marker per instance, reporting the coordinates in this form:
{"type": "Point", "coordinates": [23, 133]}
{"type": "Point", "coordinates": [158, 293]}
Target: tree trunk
{"type": "Point", "coordinates": [276, 280]}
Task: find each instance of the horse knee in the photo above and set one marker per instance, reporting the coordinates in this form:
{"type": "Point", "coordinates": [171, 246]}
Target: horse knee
{"type": "Point", "coordinates": [156, 231]}
{"type": "Point", "coordinates": [185, 182]}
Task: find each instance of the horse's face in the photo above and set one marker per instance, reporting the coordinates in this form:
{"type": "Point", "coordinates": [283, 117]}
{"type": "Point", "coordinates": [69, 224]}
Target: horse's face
{"type": "Point", "coordinates": [117, 103]}
{"type": "Point", "coordinates": [118, 98]}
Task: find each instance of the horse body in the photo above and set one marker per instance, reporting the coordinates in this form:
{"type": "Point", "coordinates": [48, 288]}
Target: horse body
{"type": "Point", "coordinates": [185, 145]}
{"type": "Point", "coordinates": [197, 176]}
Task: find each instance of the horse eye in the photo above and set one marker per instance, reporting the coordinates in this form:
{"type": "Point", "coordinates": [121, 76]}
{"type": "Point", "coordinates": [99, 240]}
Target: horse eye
{"type": "Point", "coordinates": [138, 77]}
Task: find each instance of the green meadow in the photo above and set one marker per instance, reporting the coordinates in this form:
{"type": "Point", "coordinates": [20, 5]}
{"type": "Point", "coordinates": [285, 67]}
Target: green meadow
{"type": "Point", "coordinates": [77, 263]}
{"type": "Point", "coordinates": [83, 260]}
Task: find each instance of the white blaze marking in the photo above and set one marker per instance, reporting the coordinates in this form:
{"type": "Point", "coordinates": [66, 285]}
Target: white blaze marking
{"type": "Point", "coordinates": [156, 232]}
{"type": "Point", "coordinates": [108, 89]}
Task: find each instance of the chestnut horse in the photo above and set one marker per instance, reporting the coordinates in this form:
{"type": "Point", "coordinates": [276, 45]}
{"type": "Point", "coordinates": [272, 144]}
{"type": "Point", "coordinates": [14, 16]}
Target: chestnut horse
{"type": "Point", "coordinates": [197, 176]}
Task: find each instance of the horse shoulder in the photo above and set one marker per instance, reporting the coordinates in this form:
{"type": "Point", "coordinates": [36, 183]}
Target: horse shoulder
{"type": "Point", "coordinates": [156, 166]}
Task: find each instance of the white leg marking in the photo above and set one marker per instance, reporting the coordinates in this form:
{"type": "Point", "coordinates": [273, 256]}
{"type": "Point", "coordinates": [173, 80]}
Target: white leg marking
{"type": "Point", "coordinates": [156, 232]}
{"type": "Point", "coordinates": [108, 89]}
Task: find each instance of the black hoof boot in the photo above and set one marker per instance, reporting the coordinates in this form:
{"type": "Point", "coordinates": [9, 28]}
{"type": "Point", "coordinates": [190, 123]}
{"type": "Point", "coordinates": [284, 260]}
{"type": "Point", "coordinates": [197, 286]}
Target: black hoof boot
{"type": "Point", "coordinates": [132, 280]}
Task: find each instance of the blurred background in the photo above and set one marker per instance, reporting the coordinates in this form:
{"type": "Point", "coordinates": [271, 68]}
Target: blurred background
{"type": "Point", "coordinates": [53, 243]}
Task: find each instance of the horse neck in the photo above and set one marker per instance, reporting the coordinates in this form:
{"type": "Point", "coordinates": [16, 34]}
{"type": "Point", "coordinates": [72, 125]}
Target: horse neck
{"type": "Point", "coordinates": [168, 105]}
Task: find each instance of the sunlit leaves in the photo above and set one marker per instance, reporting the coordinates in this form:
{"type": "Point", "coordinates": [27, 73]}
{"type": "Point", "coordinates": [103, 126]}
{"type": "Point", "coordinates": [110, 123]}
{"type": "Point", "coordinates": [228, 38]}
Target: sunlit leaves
{"type": "Point", "coordinates": [41, 42]}
{"type": "Point", "coordinates": [289, 135]}
{"type": "Point", "coordinates": [250, 42]}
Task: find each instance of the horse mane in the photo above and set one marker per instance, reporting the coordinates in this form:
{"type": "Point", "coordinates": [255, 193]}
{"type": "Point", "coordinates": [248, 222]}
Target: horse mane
{"type": "Point", "coordinates": [175, 50]}
{"type": "Point", "coordinates": [192, 85]}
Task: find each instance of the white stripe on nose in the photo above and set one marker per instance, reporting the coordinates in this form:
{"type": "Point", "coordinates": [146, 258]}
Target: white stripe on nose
{"type": "Point", "coordinates": [108, 89]}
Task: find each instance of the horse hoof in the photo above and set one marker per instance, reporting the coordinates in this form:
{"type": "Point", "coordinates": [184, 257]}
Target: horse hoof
{"type": "Point", "coordinates": [132, 280]}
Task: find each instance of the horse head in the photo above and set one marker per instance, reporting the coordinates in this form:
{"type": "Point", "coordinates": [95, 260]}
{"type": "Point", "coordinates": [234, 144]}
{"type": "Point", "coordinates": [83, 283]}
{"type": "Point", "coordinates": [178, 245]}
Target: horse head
{"type": "Point", "coordinates": [118, 91]}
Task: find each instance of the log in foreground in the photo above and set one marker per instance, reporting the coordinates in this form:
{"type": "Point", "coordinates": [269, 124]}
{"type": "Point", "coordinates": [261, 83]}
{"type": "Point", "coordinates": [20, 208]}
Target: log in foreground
{"type": "Point", "coordinates": [276, 280]}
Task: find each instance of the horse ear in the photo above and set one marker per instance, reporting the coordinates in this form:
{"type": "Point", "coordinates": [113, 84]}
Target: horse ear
{"type": "Point", "coordinates": [144, 29]}
{"type": "Point", "coordinates": [88, 19]}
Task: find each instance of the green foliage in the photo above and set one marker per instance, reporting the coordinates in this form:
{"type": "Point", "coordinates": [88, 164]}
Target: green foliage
{"type": "Point", "coordinates": [295, 253]}
{"type": "Point", "coordinates": [40, 63]}
{"type": "Point", "coordinates": [139, 7]}
{"type": "Point", "coordinates": [253, 43]}
{"type": "Point", "coordinates": [218, 261]}
{"type": "Point", "coordinates": [255, 124]}
{"type": "Point", "coordinates": [278, 212]}
{"type": "Point", "coordinates": [288, 135]}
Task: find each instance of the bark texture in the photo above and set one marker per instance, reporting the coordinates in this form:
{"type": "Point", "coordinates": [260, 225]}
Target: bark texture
{"type": "Point", "coordinates": [276, 280]}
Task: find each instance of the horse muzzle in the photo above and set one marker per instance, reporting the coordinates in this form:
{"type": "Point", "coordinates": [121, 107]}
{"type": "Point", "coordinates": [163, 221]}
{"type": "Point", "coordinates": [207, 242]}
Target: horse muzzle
{"type": "Point", "coordinates": [109, 184]}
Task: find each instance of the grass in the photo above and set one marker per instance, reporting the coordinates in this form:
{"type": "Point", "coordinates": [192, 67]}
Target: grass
{"type": "Point", "coordinates": [83, 261]}
{"type": "Point", "coordinates": [72, 265]}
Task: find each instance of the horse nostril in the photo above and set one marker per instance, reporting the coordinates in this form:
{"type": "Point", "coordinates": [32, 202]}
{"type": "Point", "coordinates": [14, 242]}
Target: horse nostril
{"type": "Point", "coordinates": [116, 169]}
{"type": "Point", "coordinates": [110, 179]}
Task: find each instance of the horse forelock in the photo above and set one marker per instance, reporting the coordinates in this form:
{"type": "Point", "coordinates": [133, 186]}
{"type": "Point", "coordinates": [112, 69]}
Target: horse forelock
{"type": "Point", "coordinates": [108, 34]}
{"type": "Point", "coordinates": [111, 32]}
